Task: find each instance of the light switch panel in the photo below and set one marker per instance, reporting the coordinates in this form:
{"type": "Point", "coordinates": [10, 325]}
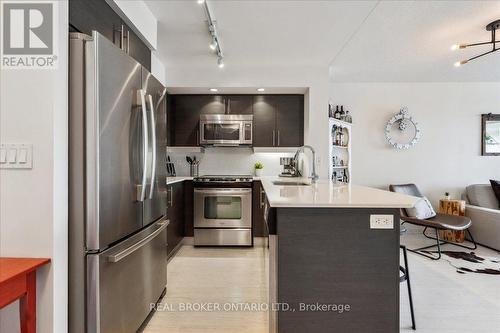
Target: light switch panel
{"type": "Point", "coordinates": [3, 155]}
{"type": "Point", "coordinates": [381, 221]}
{"type": "Point", "coordinates": [16, 156]}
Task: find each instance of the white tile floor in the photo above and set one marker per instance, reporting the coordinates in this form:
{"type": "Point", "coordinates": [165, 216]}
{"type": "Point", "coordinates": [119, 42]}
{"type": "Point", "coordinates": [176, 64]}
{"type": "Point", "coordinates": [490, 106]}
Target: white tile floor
{"type": "Point", "coordinates": [445, 301]}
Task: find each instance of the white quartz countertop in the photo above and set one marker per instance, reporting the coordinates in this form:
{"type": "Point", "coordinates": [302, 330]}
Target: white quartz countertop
{"type": "Point", "coordinates": [324, 194]}
{"type": "Point", "coordinates": [172, 180]}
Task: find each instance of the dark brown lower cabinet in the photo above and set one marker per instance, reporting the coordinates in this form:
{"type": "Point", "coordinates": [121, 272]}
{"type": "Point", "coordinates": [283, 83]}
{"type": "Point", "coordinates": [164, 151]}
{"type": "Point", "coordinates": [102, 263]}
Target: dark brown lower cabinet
{"type": "Point", "coordinates": [188, 208]}
{"type": "Point", "coordinates": [175, 213]}
{"type": "Point", "coordinates": [258, 222]}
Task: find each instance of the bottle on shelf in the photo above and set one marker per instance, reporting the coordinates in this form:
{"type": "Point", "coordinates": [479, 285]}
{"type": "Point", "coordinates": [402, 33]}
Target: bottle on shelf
{"type": "Point", "coordinates": [336, 115]}
{"type": "Point", "coordinates": [342, 113]}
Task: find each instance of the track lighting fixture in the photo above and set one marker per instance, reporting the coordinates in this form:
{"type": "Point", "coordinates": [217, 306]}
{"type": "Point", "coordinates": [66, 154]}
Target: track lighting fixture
{"type": "Point", "coordinates": [493, 26]}
{"type": "Point", "coordinates": [215, 44]}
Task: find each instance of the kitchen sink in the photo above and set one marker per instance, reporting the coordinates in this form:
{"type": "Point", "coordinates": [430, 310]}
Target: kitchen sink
{"type": "Point", "coordinates": [292, 183]}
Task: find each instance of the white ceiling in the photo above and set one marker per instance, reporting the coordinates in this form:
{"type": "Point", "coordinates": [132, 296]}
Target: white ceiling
{"type": "Point", "coordinates": [362, 40]}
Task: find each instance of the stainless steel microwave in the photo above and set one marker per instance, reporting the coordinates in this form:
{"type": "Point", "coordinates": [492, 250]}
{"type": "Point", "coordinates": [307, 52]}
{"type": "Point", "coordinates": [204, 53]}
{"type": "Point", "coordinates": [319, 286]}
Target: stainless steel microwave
{"type": "Point", "coordinates": [226, 129]}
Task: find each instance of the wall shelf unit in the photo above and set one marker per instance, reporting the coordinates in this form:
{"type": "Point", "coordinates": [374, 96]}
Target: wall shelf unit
{"type": "Point", "coordinates": [339, 149]}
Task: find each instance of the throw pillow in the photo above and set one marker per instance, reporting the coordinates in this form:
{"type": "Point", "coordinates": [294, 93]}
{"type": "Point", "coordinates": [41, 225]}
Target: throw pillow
{"type": "Point", "coordinates": [495, 184]}
{"type": "Point", "coordinates": [423, 209]}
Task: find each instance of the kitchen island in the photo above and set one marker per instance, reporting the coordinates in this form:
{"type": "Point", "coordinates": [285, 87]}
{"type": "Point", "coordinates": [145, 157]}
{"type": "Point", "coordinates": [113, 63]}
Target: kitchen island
{"type": "Point", "coordinates": [334, 257]}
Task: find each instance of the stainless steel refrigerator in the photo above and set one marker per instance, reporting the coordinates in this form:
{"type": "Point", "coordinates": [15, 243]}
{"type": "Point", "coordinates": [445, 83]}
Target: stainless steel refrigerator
{"type": "Point", "coordinates": [117, 204]}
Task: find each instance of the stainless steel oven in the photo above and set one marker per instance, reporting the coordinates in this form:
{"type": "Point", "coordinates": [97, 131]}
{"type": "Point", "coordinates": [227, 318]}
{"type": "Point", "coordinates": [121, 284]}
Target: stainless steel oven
{"type": "Point", "coordinates": [226, 130]}
{"type": "Point", "coordinates": [223, 216]}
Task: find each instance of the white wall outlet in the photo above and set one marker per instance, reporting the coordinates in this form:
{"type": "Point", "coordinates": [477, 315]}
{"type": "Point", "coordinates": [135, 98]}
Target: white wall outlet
{"type": "Point", "coordinates": [16, 156]}
{"type": "Point", "coordinates": [381, 221]}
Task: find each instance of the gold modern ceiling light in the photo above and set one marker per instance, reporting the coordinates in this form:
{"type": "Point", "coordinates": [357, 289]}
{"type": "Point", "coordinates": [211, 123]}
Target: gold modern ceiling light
{"type": "Point", "coordinates": [493, 26]}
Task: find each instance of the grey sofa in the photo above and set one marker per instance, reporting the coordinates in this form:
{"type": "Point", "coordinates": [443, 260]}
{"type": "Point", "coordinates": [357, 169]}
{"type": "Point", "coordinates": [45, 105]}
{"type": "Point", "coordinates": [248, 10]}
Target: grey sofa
{"type": "Point", "coordinates": [482, 208]}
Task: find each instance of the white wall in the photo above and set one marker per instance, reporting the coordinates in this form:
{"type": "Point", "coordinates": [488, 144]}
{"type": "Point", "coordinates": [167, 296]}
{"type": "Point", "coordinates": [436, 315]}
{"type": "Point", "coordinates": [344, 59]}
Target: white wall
{"type": "Point", "coordinates": [448, 156]}
{"type": "Point", "coordinates": [316, 99]}
{"type": "Point", "coordinates": [33, 203]}
{"type": "Point", "coordinates": [158, 69]}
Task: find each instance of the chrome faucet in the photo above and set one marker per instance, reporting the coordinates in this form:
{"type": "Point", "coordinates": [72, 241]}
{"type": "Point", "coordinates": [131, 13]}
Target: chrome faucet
{"type": "Point", "coordinates": [314, 176]}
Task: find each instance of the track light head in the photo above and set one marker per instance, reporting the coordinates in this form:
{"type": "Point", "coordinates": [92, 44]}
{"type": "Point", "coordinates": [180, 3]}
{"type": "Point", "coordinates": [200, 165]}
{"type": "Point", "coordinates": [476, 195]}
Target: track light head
{"type": "Point", "coordinates": [200, 1]}
{"type": "Point", "coordinates": [220, 62]}
{"type": "Point", "coordinates": [213, 45]}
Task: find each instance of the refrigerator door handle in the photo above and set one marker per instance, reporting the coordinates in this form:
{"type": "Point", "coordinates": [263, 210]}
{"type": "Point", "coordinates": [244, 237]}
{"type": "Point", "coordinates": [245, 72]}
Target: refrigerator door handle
{"type": "Point", "coordinates": [136, 246]}
{"type": "Point", "coordinates": [162, 96]}
{"type": "Point", "coordinates": [153, 146]}
{"type": "Point", "coordinates": [141, 193]}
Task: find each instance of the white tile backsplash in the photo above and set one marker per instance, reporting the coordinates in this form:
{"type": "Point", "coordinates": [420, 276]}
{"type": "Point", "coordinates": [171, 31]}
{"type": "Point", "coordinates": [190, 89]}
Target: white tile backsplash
{"type": "Point", "coordinates": [229, 161]}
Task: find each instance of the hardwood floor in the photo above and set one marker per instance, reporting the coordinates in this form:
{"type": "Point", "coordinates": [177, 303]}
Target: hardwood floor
{"type": "Point", "coordinates": [445, 301]}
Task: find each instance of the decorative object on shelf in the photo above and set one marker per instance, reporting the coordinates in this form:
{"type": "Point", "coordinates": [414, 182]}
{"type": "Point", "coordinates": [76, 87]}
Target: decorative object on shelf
{"type": "Point", "coordinates": [339, 114]}
{"type": "Point", "coordinates": [447, 196]}
{"type": "Point", "coordinates": [490, 134]}
{"type": "Point", "coordinates": [493, 26]}
{"type": "Point", "coordinates": [258, 169]}
{"type": "Point", "coordinates": [348, 117]}
{"type": "Point", "coordinates": [402, 131]}
{"type": "Point", "coordinates": [339, 150]}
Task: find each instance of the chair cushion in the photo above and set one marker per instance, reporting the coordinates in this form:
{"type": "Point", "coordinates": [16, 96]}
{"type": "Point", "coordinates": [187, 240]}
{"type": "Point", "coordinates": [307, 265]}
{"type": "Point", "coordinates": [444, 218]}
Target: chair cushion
{"type": "Point", "coordinates": [495, 185]}
{"type": "Point", "coordinates": [422, 209]}
{"type": "Point", "coordinates": [481, 195]}
{"type": "Point", "coordinates": [442, 221]}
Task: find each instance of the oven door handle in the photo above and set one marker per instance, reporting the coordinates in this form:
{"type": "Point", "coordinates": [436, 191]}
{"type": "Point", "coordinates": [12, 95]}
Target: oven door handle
{"type": "Point", "coordinates": [223, 191]}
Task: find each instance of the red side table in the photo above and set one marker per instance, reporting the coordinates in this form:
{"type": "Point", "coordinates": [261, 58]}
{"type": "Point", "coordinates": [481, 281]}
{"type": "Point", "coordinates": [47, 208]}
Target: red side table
{"type": "Point", "coordinates": [18, 281]}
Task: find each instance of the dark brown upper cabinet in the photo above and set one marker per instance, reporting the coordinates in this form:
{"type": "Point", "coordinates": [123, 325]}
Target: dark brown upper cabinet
{"type": "Point", "coordinates": [290, 121]}
{"type": "Point", "coordinates": [88, 15]}
{"type": "Point", "coordinates": [278, 121]}
{"type": "Point", "coordinates": [137, 49]}
{"type": "Point", "coordinates": [264, 121]}
{"type": "Point", "coordinates": [238, 104]}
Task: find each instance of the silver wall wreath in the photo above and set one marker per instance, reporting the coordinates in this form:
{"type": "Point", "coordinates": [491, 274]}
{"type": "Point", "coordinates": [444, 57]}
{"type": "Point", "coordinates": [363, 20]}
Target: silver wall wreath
{"type": "Point", "coordinates": [403, 120]}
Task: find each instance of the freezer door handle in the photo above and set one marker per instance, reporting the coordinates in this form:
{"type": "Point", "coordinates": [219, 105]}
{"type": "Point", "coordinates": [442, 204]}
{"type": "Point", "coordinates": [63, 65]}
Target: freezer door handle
{"type": "Point", "coordinates": [141, 189]}
{"type": "Point", "coordinates": [153, 146]}
{"type": "Point", "coordinates": [136, 246]}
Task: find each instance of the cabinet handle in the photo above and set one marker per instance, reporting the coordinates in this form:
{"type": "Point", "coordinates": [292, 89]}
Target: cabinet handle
{"type": "Point", "coordinates": [122, 36]}
{"type": "Point", "coordinates": [278, 137]}
{"type": "Point", "coordinates": [274, 139]}
{"type": "Point", "coordinates": [262, 198]}
{"type": "Point", "coordinates": [128, 41]}
{"type": "Point", "coordinates": [170, 202]}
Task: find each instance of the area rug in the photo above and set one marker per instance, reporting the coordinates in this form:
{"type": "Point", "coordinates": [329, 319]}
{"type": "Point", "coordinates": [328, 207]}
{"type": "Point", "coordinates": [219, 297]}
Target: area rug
{"type": "Point", "coordinates": [470, 262]}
